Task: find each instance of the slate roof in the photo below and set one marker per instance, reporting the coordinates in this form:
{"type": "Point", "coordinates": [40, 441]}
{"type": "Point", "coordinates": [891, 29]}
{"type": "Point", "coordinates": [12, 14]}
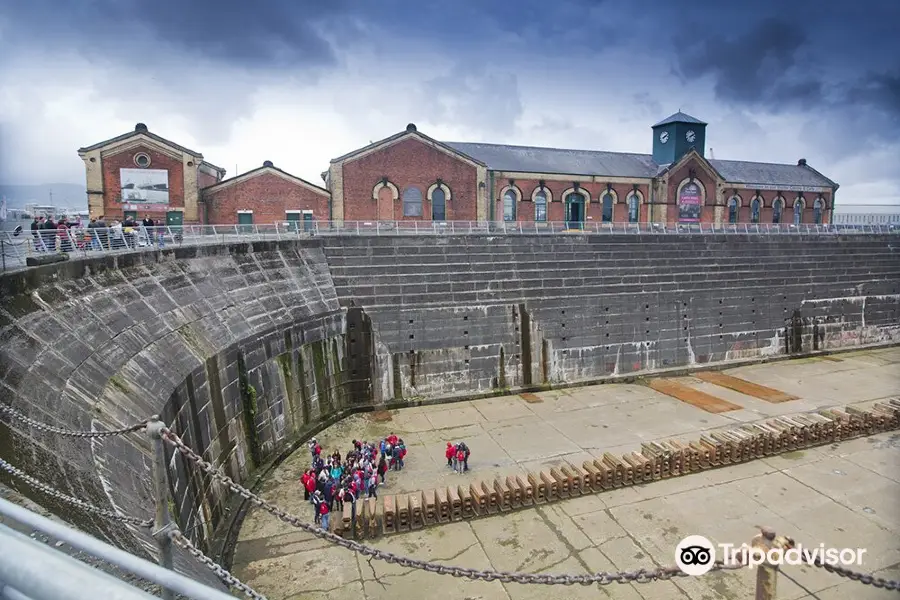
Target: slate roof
{"type": "Point", "coordinates": [530, 159]}
{"type": "Point", "coordinates": [267, 166]}
{"type": "Point", "coordinates": [680, 117]}
{"type": "Point", "coordinates": [739, 171]}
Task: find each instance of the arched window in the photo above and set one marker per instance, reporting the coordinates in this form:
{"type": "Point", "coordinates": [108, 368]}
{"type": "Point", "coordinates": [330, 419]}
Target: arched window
{"type": "Point", "coordinates": [412, 202]}
{"type": "Point", "coordinates": [755, 206]}
{"type": "Point", "coordinates": [438, 205]}
{"type": "Point", "coordinates": [607, 207]}
{"type": "Point", "coordinates": [777, 209]}
{"type": "Point", "coordinates": [540, 206]}
{"type": "Point", "coordinates": [798, 211]}
{"type": "Point", "coordinates": [733, 206]}
{"type": "Point", "coordinates": [634, 208]}
{"type": "Point", "coordinates": [509, 206]}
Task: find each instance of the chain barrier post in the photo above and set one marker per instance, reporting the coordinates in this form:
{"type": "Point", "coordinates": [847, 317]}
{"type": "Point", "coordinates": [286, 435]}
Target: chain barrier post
{"type": "Point", "coordinates": [767, 571]}
{"type": "Point", "coordinates": [163, 524]}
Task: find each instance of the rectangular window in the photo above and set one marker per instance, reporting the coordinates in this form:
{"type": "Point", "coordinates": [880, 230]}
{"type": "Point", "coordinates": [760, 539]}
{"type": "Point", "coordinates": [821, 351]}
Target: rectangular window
{"type": "Point", "coordinates": [540, 211]}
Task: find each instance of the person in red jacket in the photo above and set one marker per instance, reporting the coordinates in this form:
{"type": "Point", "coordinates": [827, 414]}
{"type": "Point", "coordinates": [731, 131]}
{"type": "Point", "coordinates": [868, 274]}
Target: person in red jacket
{"type": "Point", "coordinates": [460, 458]}
{"type": "Point", "coordinates": [310, 484]}
{"type": "Point", "coordinates": [449, 452]}
{"type": "Point", "coordinates": [323, 515]}
{"type": "Point", "coordinates": [304, 479]}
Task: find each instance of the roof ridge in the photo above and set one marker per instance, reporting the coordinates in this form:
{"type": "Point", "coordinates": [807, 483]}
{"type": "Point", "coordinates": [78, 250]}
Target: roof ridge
{"type": "Point", "coordinates": [549, 148]}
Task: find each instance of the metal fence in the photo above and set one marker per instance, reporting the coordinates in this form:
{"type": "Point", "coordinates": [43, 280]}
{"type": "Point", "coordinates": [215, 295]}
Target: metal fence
{"type": "Point", "coordinates": [16, 246]}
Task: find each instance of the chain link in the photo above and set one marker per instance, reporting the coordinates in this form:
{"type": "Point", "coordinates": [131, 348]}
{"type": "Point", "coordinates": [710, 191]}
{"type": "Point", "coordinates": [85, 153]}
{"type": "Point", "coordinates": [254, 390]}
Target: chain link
{"type": "Point", "coordinates": [863, 578]}
{"type": "Point", "coordinates": [230, 580]}
{"type": "Point", "coordinates": [69, 432]}
{"type": "Point", "coordinates": [54, 493]}
{"type": "Point", "coordinates": [601, 578]}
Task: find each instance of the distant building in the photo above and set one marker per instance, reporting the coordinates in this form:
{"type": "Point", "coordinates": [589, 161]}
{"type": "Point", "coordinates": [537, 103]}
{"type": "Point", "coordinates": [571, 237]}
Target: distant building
{"type": "Point", "coordinates": [140, 173]}
{"type": "Point", "coordinates": [412, 177]}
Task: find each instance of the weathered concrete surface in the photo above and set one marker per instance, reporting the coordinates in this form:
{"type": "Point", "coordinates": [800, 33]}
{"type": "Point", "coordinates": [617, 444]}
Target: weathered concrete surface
{"type": "Point", "coordinates": [843, 495]}
{"type": "Point", "coordinates": [481, 313]}
{"type": "Point", "coordinates": [185, 334]}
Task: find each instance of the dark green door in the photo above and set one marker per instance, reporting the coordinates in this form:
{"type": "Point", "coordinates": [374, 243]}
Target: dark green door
{"type": "Point", "coordinates": [575, 211]}
{"type": "Point", "coordinates": [307, 222]}
{"type": "Point", "coordinates": [245, 222]}
{"type": "Point", "coordinates": [130, 213]}
{"type": "Point", "coordinates": [174, 218]}
{"type": "Point", "coordinates": [293, 219]}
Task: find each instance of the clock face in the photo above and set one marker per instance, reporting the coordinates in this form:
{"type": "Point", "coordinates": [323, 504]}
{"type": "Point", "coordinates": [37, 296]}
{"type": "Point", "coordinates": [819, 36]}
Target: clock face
{"type": "Point", "coordinates": [664, 137]}
{"type": "Point", "coordinates": [691, 136]}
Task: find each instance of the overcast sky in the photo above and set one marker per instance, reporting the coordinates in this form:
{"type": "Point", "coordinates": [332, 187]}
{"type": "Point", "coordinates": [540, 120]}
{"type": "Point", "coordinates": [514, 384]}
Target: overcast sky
{"type": "Point", "coordinates": [299, 83]}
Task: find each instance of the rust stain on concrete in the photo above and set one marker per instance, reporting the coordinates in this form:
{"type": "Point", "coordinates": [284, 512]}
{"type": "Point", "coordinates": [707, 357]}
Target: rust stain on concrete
{"type": "Point", "coordinates": [531, 398]}
{"type": "Point", "coordinates": [689, 395]}
{"type": "Point", "coordinates": [745, 387]}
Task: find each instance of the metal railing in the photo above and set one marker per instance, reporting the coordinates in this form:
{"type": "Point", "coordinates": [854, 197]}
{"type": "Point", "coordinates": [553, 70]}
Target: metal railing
{"type": "Point", "coordinates": [17, 246]}
{"type": "Point", "coordinates": [31, 570]}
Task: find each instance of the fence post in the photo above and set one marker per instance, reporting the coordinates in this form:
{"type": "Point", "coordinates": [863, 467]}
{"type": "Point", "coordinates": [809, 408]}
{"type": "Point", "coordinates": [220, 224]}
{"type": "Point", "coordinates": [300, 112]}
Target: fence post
{"type": "Point", "coordinates": [767, 571]}
{"type": "Point", "coordinates": [163, 522]}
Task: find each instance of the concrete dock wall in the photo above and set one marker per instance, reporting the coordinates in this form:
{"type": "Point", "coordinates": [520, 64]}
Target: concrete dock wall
{"type": "Point", "coordinates": [245, 349]}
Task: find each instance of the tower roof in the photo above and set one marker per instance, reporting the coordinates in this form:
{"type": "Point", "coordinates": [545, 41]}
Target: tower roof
{"type": "Point", "coordinates": [680, 117]}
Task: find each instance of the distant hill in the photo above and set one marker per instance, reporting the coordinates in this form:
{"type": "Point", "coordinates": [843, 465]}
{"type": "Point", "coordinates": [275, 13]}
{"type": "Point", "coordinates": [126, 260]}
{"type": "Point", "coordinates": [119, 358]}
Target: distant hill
{"type": "Point", "coordinates": [69, 195]}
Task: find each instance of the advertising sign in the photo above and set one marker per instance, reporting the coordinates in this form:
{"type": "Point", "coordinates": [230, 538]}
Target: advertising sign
{"type": "Point", "coordinates": [145, 186]}
{"type": "Point", "coordinates": [690, 203]}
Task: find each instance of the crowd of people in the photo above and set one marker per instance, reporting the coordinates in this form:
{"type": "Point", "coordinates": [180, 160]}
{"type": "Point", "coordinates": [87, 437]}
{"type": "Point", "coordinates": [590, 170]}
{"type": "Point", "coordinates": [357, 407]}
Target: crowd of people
{"type": "Point", "coordinates": [457, 456]}
{"type": "Point", "coordinates": [331, 481]}
{"type": "Point", "coordinates": [49, 235]}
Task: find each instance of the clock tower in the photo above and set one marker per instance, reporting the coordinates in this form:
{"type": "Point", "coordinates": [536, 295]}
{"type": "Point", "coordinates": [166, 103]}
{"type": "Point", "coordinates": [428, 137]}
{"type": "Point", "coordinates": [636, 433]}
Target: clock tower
{"type": "Point", "coordinates": [675, 136]}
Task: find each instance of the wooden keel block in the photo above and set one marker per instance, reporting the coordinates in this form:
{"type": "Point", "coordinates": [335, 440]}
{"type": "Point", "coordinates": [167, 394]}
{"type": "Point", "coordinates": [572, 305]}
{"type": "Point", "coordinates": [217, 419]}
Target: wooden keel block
{"type": "Point", "coordinates": [443, 501]}
{"type": "Point", "coordinates": [429, 502]}
{"type": "Point", "coordinates": [456, 505]}
{"type": "Point", "coordinates": [469, 504]}
{"type": "Point", "coordinates": [504, 495]}
{"type": "Point", "coordinates": [403, 523]}
{"type": "Point", "coordinates": [562, 482]}
{"type": "Point", "coordinates": [550, 486]}
{"type": "Point", "coordinates": [370, 514]}
{"type": "Point", "coordinates": [539, 488]}
{"type": "Point", "coordinates": [527, 490]}
{"type": "Point", "coordinates": [493, 501]}
{"type": "Point", "coordinates": [479, 498]}
{"type": "Point", "coordinates": [389, 519]}
{"type": "Point", "coordinates": [516, 490]}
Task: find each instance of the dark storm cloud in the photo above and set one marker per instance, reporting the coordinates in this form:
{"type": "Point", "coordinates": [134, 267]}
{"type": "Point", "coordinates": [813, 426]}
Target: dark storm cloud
{"type": "Point", "coordinates": [785, 56]}
{"type": "Point", "coordinates": [240, 33]}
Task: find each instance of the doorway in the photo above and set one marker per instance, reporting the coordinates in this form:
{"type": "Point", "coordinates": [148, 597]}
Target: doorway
{"type": "Point", "coordinates": [174, 218]}
{"type": "Point", "coordinates": [245, 222]}
{"type": "Point", "coordinates": [575, 211]}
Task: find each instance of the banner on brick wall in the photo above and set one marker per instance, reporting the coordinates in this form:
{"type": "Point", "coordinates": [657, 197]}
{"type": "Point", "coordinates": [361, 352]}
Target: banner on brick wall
{"type": "Point", "coordinates": [144, 186]}
{"type": "Point", "coordinates": [690, 203]}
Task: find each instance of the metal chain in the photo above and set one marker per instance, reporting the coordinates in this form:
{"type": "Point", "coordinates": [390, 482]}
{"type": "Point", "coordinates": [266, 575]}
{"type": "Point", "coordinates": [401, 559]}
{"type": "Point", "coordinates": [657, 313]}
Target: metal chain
{"type": "Point", "coordinates": [54, 493]}
{"type": "Point", "coordinates": [230, 580]}
{"type": "Point", "coordinates": [601, 578]}
{"type": "Point", "coordinates": [878, 582]}
{"type": "Point", "coordinates": [69, 432]}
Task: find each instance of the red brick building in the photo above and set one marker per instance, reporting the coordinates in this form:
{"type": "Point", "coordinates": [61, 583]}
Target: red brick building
{"type": "Point", "coordinates": [265, 195]}
{"type": "Point", "coordinates": [396, 179]}
{"type": "Point", "coordinates": [140, 173]}
{"type": "Point", "coordinates": [412, 177]}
